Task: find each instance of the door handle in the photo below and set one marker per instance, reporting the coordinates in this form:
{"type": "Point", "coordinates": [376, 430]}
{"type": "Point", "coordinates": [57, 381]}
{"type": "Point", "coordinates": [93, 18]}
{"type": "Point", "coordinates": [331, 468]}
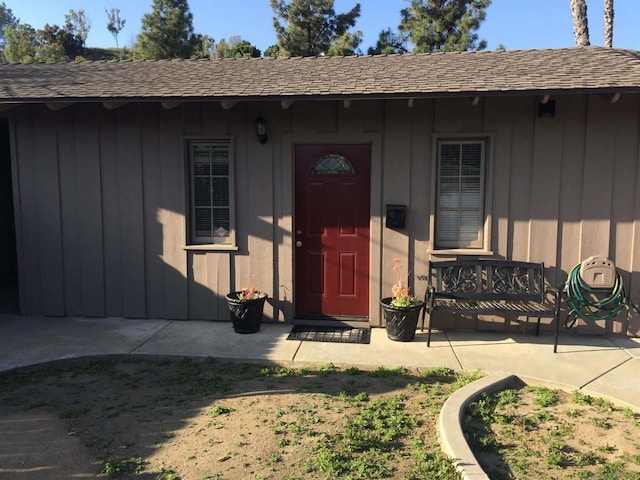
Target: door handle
{"type": "Point", "coordinates": [298, 244]}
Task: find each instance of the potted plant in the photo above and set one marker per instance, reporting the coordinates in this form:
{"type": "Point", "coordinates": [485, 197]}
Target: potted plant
{"type": "Point", "coordinates": [246, 307]}
{"type": "Point", "coordinates": [401, 310]}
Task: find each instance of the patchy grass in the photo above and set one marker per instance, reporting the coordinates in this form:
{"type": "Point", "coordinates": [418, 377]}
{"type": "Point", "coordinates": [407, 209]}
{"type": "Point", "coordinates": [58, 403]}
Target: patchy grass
{"type": "Point", "coordinates": [538, 432]}
{"type": "Point", "coordinates": [202, 419]}
{"type": "Point", "coordinates": [172, 419]}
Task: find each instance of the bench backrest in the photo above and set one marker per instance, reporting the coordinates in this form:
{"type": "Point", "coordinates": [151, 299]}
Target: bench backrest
{"type": "Point", "coordinates": [488, 279]}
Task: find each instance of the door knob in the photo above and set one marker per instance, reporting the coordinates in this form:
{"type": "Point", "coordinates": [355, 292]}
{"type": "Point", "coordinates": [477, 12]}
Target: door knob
{"type": "Point", "coordinates": [298, 244]}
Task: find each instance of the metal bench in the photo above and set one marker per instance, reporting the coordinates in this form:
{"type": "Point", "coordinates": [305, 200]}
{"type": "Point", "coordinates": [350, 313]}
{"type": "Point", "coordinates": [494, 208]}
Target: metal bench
{"type": "Point", "coordinates": [490, 287]}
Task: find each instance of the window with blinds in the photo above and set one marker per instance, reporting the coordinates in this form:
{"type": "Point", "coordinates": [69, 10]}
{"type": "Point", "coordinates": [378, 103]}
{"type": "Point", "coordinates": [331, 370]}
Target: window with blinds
{"type": "Point", "coordinates": [460, 194]}
{"type": "Point", "coordinates": [210, 189]}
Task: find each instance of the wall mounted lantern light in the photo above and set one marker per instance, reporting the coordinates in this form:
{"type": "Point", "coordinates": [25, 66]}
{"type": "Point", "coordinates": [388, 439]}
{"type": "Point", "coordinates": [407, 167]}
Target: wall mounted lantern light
{"type": "Point", "coordinates": [547, 108]}
{"type": "Point", "coordinates": [261, 130]}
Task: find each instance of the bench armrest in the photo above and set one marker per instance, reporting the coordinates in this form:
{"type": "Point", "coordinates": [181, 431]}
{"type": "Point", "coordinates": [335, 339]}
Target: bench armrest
{"type": "Point", "coordinates": [557, 295]}
{"type": "Point", "coordinates": [429, 296]}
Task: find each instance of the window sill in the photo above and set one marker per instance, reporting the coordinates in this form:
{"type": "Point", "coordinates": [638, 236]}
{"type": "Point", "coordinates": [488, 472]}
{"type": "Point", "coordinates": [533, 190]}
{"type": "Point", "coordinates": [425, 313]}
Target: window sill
{"type": "Point", "coordinates": [462, 251]}
{"type": "Point", "coordinates": [211, 247]}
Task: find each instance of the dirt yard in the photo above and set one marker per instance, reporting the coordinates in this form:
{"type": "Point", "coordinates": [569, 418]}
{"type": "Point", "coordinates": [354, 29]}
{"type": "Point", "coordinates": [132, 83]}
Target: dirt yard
{"type": "Point", "coordinates": [169, 419]}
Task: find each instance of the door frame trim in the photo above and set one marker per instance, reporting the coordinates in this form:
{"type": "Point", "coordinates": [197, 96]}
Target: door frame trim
{"type": "Point", "coordinates": [286, 253]}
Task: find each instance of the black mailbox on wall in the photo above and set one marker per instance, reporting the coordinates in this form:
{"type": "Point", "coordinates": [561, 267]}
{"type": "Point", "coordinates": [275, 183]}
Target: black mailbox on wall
{"type": "Point", "coordinates": [396, 216]}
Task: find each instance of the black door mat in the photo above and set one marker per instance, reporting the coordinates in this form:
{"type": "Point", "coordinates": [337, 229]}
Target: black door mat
{"type": "Point", "coordinates": [311, 333]}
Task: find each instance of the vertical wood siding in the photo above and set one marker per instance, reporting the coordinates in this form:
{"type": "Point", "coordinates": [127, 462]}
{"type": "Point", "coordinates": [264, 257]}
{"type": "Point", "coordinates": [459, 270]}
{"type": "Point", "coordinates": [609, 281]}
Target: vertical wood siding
{"type": "Point", "coordinates": [102, 197]}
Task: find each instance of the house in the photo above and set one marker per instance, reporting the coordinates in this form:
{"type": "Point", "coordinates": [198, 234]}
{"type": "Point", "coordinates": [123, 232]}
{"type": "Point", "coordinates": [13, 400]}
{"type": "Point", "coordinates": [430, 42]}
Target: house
{"type": "Point", "coordinates": [142, 188]}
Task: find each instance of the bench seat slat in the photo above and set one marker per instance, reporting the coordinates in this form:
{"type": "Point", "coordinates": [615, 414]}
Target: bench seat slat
{"type": "Point", "coordinates": [493, 307]}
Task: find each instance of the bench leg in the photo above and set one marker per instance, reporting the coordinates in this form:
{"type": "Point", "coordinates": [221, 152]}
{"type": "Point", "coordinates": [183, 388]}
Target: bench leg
{"type": "Point", "coordinates": [538, 328]}
{"type": "Point", "coordinates": [557, 329]}
{"type": "Point", "coordinates": [429, 330]}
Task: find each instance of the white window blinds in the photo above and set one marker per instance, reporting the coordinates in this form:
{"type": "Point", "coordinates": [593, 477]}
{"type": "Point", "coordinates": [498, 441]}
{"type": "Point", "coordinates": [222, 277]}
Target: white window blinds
{"type": "Point", "coordinates": [210, 191]}
{"type": "Point", "coordinates": [460, 201]}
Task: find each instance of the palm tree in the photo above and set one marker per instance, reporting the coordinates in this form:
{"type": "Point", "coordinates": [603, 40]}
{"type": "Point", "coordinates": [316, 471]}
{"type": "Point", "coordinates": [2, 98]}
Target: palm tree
{"type": "Point", "coordinates": [580, 23]}
{"type": "Point", "coordinates": [608, 23]}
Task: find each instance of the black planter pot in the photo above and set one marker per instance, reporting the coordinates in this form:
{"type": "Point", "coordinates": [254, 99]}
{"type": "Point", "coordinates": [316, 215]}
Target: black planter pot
{"type": "Point", "coordinates": [246, 314]}
{"type": "Point", "coordinates": [401, 321]}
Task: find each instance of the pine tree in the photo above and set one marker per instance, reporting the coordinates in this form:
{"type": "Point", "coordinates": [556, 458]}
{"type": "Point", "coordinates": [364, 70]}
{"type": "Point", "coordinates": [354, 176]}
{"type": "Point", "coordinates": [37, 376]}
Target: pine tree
{"type": "Point", "coordinates": [444, 25]}
{"type": "Point", "coordinates": [167, 32]}
{"type": "Point", "coordinates": [388, 43]}
{"type": "Point", "coordinates": [312, 27]}
{"type": "Point", "coordinates": [7, 19]}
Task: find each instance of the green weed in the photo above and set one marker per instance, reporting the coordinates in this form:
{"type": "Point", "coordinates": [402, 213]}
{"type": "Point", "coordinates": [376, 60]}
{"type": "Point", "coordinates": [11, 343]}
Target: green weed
{"type": "Point", "coordinates": [589, 458]}
{"type": "Point", "coordinates": [218, 410]}
{"type": "Point", "coordinates": [430, 462]}
{"type": "Point", "coordinates": [278, 371]}
{"type": "Point", "coordinates": [167, 474]}
{"type": "Point", "coordinates": [601, 403]}
{"type": "Point", "coordinates": [114, 467]}
{"type": "Point", "coordinates": [602, 423]}
{"type": "Point", "coordinates": [327, 368]}
{"type": "Point", "coordinates": [607, 448]}
{"type": "Point", "coordinates": [544, 397]}
{"type": "Point", "coordinates": [615, 471]}
{"type": "Point", "coordinates": [388, 372]}
{"type": "Point", "coordinates": [508, 397]}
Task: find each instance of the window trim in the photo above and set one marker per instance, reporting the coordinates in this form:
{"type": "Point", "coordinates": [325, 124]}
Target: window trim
{"type": "Point", "coordinates": [204, 245]}
{"type": "Point", "coordinates": [485, 245]}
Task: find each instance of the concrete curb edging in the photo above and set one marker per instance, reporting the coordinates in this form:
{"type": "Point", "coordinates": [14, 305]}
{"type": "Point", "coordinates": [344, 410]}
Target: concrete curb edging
{"type": "Point", "coordinates": [452, 438]}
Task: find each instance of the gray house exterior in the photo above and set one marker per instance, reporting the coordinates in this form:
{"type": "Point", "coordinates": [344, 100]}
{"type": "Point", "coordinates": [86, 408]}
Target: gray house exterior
{"type": "Point", "coordinates": [141, 190]}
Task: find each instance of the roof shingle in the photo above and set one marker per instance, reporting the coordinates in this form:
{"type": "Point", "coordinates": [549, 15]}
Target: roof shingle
{"type": "Point", "coordinates": [409, 75]}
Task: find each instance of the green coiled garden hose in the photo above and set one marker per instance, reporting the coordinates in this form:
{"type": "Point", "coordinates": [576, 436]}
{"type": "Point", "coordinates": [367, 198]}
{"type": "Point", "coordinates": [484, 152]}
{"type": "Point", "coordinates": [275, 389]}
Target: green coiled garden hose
{"type": "Point", "coordinates": [594, 303]}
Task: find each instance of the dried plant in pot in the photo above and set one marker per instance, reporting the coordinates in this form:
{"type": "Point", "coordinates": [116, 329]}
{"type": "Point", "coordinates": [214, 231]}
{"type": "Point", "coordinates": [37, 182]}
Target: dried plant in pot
{"type": "Point", "coordinates": [246, 308]}
{"type": "Point", "coordinates": [402, 310]}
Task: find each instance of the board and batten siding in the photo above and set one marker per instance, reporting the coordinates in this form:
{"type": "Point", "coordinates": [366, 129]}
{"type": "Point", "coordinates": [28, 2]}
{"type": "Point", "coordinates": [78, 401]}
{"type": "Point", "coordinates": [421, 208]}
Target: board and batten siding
{"type": "Point", "coordinates": [101, 198]}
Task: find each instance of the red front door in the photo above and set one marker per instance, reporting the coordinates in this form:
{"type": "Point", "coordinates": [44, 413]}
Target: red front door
{"type": "Point", "coordinates": [331, 230]}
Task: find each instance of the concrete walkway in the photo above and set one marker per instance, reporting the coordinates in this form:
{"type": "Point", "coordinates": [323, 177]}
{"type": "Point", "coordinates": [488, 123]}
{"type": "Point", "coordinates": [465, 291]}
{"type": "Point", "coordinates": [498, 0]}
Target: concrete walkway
{"type": "Point", "coordinates": [602, 366]}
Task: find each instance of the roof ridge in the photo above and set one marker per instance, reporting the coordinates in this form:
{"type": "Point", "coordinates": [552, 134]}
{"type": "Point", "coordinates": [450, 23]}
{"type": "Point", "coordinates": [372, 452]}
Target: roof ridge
{"type": "Point", "coordinates": [438, 74]}
{"type": "Point", "coordinates": [590, 48]}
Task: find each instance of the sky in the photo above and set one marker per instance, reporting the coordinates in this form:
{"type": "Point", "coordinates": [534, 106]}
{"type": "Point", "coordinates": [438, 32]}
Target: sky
{"type": "Point", "coordinates": [515, 24]}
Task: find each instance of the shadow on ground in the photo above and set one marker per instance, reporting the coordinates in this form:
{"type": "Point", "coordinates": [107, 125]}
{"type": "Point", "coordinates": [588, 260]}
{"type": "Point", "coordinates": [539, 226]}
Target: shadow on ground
{"type": "Point", "coordinates": [69, 419]}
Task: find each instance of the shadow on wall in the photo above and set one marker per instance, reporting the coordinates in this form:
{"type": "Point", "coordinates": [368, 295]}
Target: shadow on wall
{"type": "Point", "coordinates": [8, 255]}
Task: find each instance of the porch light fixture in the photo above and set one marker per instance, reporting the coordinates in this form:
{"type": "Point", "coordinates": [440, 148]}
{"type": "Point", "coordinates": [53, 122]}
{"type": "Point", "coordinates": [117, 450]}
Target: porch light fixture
{"type": "Point", "coordinates": [261, 130]}
{"type": "Point", "coordinates": [547, 109]}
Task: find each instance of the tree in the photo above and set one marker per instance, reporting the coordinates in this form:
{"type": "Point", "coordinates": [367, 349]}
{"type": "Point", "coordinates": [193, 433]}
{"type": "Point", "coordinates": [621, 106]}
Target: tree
{"type": "Point", "coordinates": [234, 47]}
{"type": "Point", "coordinates": [50, 53]}
{"type": "Point", "coordinates": [312, 27]}
{"type": "Point", "coordinates": [167, 32]}
{"type": "Point", "coordinates": [65, 37]}
{"type": "Point", "coordinates": [608, 23]}
{"type": "Point", "coordinates": [78, 24]}
{"type": "Point", "coordinates": [272, 51]}
{"type": "Point", "coordinates": [444, 25]}
{"type": "Point", "coordinates": [7, 19]}
{"type": "Point", "coordinates": [221, 49]}
{"type": "Point", "coordinates": [21, 43]}
{"type": "Point", "coordinates": [244, 49]}
{"type": "Point", "coordinates": [115, 25]}
{"type": "Point", "coordinates": [388, 43]}
{"type": "Point", "coordinates": [580, 22]}
{"type": "Point", "coordinates": [207, 45]}
{"type": "Point", "coordinates": [344, 45]}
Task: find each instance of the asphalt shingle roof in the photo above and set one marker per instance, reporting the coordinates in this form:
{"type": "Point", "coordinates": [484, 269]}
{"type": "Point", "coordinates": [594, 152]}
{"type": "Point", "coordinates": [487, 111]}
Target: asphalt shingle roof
{"type": "Point", "coordinates": [410, 75]}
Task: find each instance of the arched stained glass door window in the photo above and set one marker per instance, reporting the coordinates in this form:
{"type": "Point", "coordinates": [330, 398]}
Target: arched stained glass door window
{"type": "Point", "coordinates": [333, 164]}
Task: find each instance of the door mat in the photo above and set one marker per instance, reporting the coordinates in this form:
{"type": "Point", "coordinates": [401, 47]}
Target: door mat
{"type": "Point", "coordinates": [312, 333]}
